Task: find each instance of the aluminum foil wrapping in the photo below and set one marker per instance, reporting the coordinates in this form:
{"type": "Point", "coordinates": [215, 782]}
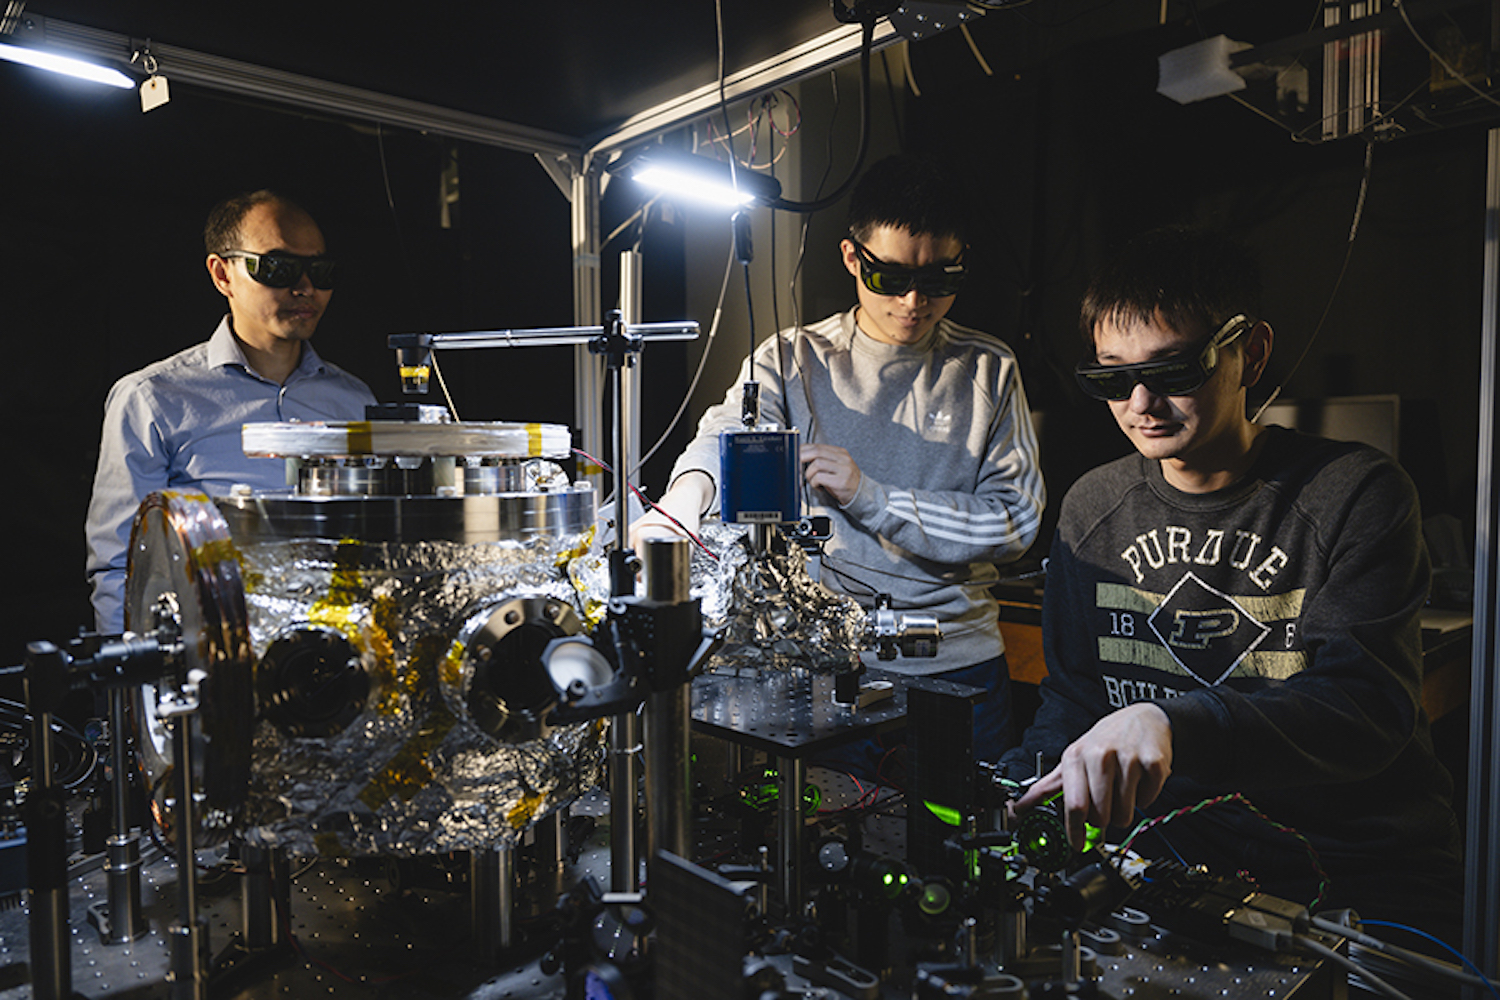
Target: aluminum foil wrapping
{"type": "Point", "coordinates": [413, 773]}
{"type": "Point", "coordinates": [773, 615]}
{"type": "Point", "coordinates": [777, 618]}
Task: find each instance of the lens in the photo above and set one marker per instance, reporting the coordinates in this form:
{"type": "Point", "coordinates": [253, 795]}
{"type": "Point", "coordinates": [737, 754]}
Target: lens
{"type": "Point", "coordinates": [933, 286]}
{"type": "Point", "coordinates": [320, 272]}
{"type": "Point", "coordinates": [878, 878]}
{"type": "Point", "coordinates": [886, 282]}
{"type": "Point", "coordinates": [280, 272]}
{"type": "Point", "coordinates": [935, 899]}
{"type": "Point", "coordinates": [1101, 383]}
{"type": "Point", "coordinates": [935, 281]}
{"type": "Point", "coordinates": [1042, 836]}
{"type": "Point", "coordinates": [1165, 378]}
{"type": "Point", "coordinates": [892, 883]}
{"type": "Point", "coordinates": [940, 286]}
{"type": "Point", "coordinates": [285, 270]}
{"type": "Point", "coordinates": [1174, 378]}
{"type": "Point", "coordinates": [273, 271]}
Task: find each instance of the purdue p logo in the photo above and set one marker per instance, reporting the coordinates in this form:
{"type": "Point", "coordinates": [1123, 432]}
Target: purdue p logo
{"type": "Point", "coordinates": [1207, 632]}
{"type": "Point", "coordinates": [1196, 629]}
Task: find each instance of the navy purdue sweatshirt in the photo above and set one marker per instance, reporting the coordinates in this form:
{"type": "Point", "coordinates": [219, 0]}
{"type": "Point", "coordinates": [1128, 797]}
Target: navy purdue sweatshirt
{"type": "Point", "coordinates": [1276, 624]}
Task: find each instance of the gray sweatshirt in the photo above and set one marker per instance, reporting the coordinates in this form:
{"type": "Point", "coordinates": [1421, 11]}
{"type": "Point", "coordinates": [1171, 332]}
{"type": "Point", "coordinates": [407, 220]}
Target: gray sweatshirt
{"type": "Point", "coordinates": [943, 437]}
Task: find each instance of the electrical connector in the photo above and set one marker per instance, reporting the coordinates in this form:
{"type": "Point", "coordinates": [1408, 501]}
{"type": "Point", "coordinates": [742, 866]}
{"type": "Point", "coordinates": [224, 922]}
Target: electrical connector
{"type": "Point", "coordinates": [1267, 922]}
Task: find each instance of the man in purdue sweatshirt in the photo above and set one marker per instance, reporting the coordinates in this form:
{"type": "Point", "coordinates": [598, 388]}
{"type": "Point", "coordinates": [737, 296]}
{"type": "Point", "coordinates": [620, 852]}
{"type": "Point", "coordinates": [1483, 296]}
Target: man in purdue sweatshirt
{"type": "Point", "coordinates": [1234, 609]}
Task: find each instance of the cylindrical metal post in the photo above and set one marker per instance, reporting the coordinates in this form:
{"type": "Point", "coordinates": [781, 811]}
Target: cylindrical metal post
{"type": "Point", "coordinates": [266, 890]}
{"type": "Point", "coordinates": [188, 973]}
{"type": "Point", "coordinates": [631, 274]}
{"type": "Point", "coordinates": [668, 772]}
{"type": "Point", "coordinates": [793, 775]}
{"type": "Point", "coordinates": [625, 729]}
{"type": "Point", "coordinates": [968, 941]}
{"type": "Point", "coordinates": [47, 872]}
{"type": "Point", "coordinates": [624, 772]}
{"type": "Point", "coordinates": [492, 886]}
{"type": "Point", "coordinates": [1010, 936]}
{"type": "Point", "coordinates": [666, 564]}
{"type": "Point", "coordinates": [1072, 961]}
{"type": "Point", "coordinates": [122, 869]}
{"type": "Point", "coordinates": [505, 897]}
{"type": "Point", "coordinates": [548, 850]}
{"type": "Point", "coordinates": [1482, 853]}
{"type": "Point", "coordinates": [588, 385]}
{"type": "Point", "coordinates": [122, 864]}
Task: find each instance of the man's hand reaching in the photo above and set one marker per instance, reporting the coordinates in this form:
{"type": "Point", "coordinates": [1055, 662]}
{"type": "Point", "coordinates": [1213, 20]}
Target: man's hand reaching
{"type": "Point", "coordinates": [1118, 765]}
{"type": "Point", "coordinates": [829, 468]}
{"type": "Point", "coordinates": [686, 500]}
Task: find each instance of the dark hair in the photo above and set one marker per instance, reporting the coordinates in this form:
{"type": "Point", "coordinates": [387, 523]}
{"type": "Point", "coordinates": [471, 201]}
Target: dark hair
{"type": "Point", "coordinates": [222, 231]}
{"type": "Point", "coordinates": [1193, 277]}
{"type": "Point", "coordinates": [910, 191]}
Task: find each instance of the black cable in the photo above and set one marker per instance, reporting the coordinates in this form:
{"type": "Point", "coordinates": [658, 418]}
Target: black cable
{"type": "Point", "coordinates": [749, 310]}
{"type": "Point", "coordinates": [812, 415]}
{"type": "Point", "coordinates": [833, 81]}
{"type": "Point", "coordinates": [1319, 948]}
{"type": "Point", "coordinates": [1359, 208]}
{"type": "Point", "coordinates": [1386, 948]}
{"type": "Point", "coordinates": [845, 576]}
{"type": "Point", "coordinates": [890, 88]}
{"type": "Point", "coordinates": [867, 42]}
{"type": "Point", "coordinates": [390, 199]}
{"type": "Point", "coordinates": [687, 397]}
{"type": "Point", "coordinates": [775, 298]}
{"type": "Point", "coordinates": [723, 98]}
{"type": "Point", "coordinates": [76, 756]}
{"type": "Point", "coordinates": [24, 717]}
{"type": "Point", "coordinates": [648, 505]}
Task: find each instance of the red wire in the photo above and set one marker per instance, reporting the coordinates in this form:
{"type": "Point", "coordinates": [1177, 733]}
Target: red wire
{"type": "Point", "coordinates": [881, 764]}
{"type": "Point", "coordinates": [652, 506]}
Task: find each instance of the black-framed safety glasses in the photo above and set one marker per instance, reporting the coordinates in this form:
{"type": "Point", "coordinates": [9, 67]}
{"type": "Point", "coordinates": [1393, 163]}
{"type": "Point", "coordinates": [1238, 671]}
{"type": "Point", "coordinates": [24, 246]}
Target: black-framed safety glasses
{"type": "Point", "coordinates": [283, 270]}
{"type": "Point", "coordinates": [1175, 375]}
{"type": "Point", "coordinates": [935, 282]}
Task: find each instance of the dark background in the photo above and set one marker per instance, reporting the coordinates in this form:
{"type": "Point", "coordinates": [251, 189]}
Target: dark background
{"type": "Point", "coordinates": [1067, 146]}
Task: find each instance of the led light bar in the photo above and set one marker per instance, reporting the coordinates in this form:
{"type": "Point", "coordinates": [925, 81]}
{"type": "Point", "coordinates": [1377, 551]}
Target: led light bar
{"type": "Point", "coordinates": [66, 65]}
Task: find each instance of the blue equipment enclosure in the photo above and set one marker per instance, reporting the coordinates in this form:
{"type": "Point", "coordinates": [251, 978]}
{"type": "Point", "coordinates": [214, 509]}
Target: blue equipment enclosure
{"type": "Point", "coordinates": [759, 477]}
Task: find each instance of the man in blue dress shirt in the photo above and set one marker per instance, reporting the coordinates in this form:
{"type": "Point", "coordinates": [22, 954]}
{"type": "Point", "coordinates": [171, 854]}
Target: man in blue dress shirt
{"type": "Point", "coordinates": [176, 424]}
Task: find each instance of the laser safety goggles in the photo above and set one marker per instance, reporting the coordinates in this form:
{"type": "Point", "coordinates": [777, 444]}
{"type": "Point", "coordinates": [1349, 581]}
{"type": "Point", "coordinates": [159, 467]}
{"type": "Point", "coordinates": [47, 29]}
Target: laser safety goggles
{"type": "Point", "coordinates": [935, 282]}
{"type": "Point", "coordinates": [283, 270]}
{"type": "Point", "coordinates": [1174, 375]}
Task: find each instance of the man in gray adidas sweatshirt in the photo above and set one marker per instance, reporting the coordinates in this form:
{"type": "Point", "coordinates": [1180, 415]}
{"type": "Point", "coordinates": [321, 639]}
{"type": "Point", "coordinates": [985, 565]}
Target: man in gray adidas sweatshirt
{"type": "Point", "coordinates": [917, 440]}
